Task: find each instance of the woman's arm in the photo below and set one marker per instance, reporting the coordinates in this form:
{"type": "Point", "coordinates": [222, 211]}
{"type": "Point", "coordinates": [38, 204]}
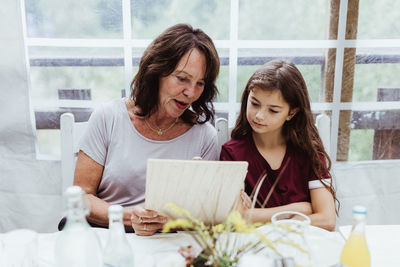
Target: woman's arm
{"type": "Point", "coordinates": [323, 209]}
{"type": "Point", "coordinates": [88, 175]}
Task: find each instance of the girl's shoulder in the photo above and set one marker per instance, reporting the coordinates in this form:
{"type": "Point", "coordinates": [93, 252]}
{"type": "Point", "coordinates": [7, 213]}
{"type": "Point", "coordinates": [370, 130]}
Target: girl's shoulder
{"type": "Point", "coordinates": [238, 146]}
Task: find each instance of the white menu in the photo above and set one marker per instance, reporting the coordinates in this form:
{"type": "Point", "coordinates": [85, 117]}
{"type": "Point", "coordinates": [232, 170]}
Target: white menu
{"type": "Point", "coordinates": [209, 190]}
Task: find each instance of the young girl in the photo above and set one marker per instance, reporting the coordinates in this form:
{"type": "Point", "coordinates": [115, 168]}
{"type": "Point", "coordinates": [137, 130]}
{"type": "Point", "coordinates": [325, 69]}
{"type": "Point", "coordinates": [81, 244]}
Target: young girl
{"type": "Point", "coordinates": [276, 135]}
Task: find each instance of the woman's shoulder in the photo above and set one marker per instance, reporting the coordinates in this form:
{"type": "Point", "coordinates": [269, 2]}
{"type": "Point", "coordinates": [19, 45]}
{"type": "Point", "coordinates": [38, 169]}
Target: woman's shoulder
{"type": "Point", "coordinates": [205, 128]}
{"type": "Point", "coordinates": [112, 106]}
{"type": "Point", "coordinates": [109, 109]}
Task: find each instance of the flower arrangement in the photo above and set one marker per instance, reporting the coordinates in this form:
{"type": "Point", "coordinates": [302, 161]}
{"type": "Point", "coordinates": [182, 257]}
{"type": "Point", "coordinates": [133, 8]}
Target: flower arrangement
{"type": "Point", "coordinates": [223, 244]}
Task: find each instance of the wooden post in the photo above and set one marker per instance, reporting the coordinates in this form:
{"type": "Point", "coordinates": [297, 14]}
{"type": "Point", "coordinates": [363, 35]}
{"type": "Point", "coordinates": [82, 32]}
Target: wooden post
{"type": "Point", "coordinates": [348, 71]}
{"type": "Point", "coordinates": [330, 54]}
{"type": "Point", "coordinates": [387, 141]}
{"type": "Point", "coordinates": [349, 62]}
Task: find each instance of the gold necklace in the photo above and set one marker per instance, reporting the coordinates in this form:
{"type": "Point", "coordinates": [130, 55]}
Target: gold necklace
{"type": "Point", "coordinates": [160, 131]}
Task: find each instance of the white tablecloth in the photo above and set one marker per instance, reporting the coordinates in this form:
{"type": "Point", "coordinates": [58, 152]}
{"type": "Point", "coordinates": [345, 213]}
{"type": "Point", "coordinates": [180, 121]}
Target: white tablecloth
{"type": "Point", "coordinates": [155, 250]}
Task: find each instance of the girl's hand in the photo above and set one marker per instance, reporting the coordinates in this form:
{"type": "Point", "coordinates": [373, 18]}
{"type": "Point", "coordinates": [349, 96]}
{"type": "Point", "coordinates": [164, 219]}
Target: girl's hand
{"type": "Point", "coordinates": [146, 222]}
{"type": "Point", "coordinates": [244, 203]}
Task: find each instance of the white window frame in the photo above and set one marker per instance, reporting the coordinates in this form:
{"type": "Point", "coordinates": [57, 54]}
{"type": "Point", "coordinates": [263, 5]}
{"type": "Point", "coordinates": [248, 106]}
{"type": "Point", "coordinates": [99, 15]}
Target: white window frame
{"type": "Point", "coordinates": [233, 44]}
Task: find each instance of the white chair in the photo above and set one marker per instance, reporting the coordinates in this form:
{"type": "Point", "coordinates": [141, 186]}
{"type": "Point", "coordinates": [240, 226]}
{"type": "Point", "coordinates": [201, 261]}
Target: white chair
{"type": "Point", "coordinates": [223, 131]}
{"type": "Point", "coordinates": [71, 132]}
{"type": "Point", "coordinates": [322, 122]}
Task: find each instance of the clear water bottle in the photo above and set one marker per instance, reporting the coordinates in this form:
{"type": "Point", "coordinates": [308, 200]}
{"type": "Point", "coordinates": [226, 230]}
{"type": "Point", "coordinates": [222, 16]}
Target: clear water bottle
{"type": "Point", "coordinates": [118, 252]}
{"type": "Point", "coordinates": [77, 245]}
{"type": "Point", "coordinates": [355, 252]}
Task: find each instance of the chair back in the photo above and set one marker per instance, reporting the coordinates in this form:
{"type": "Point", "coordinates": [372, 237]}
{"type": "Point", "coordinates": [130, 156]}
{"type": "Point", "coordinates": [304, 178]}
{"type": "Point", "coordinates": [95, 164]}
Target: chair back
{"type": "Point", "coordinates": [223, 131]}
{"type": "Point", "coordinates": [323, 123]}
{"type": "Point", "coordinates": [71, 133]}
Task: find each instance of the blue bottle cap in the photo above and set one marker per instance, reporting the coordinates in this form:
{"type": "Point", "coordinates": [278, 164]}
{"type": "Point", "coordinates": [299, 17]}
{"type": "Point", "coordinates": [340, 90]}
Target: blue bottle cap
{"type": "Point", "coordinates": [358, 209]}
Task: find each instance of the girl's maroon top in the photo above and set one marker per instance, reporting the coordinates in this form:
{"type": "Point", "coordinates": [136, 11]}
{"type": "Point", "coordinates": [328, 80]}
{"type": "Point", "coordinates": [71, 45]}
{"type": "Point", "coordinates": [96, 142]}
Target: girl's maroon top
{"type": "Point", "coordinates": [293, 185]}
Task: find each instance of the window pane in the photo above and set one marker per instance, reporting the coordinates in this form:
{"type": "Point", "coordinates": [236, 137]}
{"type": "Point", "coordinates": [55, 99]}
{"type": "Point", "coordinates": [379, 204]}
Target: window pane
{"type": "Point", "coordinates": [369, 135]}
{"type": "Point", "coordinates": [150, 18]}
{"type": "Point", "coordinates": [48, 142]}
{"type": "Point", "coordinates": [375, 68]}
{"type": "Point", "coordinates": [74, 18]}
{"type": "Point", "coordinates": [284, 19]}
{"type": "Point", "coordinates": [308, 61]}
{"type": "Point", "coordinates": [379, 19]}
{"type": "Point", "coordinates": [98, 69]}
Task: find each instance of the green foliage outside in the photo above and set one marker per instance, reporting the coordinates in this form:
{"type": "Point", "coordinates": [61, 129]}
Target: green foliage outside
{"type": "Point", "coordinates": [361, 142]}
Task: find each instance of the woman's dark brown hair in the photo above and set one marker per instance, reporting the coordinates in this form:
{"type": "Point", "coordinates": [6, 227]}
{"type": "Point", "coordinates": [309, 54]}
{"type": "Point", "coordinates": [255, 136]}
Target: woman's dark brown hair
{"type": "Point", "coordinates": [300, 132]}
{"type": "Point", "coordinates": [161, 58]}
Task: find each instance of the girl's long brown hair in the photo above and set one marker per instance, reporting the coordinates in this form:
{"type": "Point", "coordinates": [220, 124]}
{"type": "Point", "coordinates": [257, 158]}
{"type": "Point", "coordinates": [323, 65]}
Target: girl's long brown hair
{"type": "Point", "coordinates": [300, 132]}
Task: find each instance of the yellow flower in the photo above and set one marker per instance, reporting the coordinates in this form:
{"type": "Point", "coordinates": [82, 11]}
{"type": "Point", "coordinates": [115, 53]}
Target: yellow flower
{"type": "Point", "coordinates": [178, 223]}
{"type": "Point", "coordinates": [238, 223]}
{"type": "Point", "coordinates": [219, 228]}
{"type": "Point", "coordinates": [178, 210]}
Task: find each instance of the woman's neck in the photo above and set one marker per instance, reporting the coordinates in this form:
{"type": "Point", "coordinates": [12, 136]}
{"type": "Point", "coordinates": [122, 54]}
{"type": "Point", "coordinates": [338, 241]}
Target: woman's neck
{"type": "Point", "coordinates": [161, 119]}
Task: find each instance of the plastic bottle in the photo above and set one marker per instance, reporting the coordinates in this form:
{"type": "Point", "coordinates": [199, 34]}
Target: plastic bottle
{"type": "Point", "coordinates": [118, 252]}
{"type": "Point", "coordinates": [355, 252]}
{"type": "Point", "coordinates": [77, 245]}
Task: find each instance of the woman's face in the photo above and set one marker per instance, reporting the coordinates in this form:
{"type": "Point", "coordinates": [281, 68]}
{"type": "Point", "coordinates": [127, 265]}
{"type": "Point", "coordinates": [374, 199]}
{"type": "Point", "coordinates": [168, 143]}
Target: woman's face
{"type": "Point", "coordinates": [267, 111]}
{"type": "Point", "coordinates": [184, 85]}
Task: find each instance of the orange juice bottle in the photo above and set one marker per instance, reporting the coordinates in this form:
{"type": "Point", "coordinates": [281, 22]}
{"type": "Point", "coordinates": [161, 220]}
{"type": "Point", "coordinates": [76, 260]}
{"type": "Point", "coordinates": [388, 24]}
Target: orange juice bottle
{"type": "Point", "coordinates": [355, 252]}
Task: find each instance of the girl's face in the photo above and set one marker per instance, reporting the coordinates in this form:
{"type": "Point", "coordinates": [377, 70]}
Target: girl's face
{"type": "Point", "coordinates": [184, 85]}
{"type": "Point", "coordinates": [267, 111]}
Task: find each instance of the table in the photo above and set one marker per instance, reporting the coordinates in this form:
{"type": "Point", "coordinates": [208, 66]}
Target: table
{"type": "Point", "coordinates": [383, 243]}
{"type": "Point", "coordinates": [156, 250]}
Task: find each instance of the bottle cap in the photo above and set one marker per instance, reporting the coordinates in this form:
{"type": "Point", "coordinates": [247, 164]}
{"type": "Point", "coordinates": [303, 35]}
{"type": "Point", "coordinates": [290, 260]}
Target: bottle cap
{"type": "Point", "coordinates": [358, 209]}
{"type": "Point", "coordinates": [74, 193]}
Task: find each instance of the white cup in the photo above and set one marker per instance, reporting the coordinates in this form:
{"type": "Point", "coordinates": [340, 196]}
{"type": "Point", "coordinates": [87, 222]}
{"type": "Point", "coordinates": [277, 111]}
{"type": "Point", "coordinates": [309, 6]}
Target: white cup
{"type": "Point", "coordinates": [291, 228]}
{"type": "Point", "coordinates": [20, 249]}
{"type": "Point", "coordinates": [296, 220]}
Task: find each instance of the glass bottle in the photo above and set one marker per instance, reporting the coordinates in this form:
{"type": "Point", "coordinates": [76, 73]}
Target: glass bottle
{"type": "Point", "coordinates": [118, 252]}
{"type": "Point", "coordinates": [355, 252]}
{"type": "Point", "coordinates": [77, 245]}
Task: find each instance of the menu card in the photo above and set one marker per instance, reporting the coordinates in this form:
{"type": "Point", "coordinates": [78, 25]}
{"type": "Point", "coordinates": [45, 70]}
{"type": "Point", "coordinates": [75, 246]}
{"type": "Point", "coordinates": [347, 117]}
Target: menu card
{"type": "Point", "coordinates": [209, 190]}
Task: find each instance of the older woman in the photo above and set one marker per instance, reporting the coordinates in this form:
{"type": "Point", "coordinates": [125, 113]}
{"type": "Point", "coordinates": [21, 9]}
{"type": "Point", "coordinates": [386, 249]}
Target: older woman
{"type": "Point", "coordinates": [166, 116]}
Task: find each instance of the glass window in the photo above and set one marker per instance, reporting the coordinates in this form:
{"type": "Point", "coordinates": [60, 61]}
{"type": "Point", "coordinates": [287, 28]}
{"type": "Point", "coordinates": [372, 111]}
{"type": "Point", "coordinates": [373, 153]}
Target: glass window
{"type": "Point", "coordinates": [369, 74]}
{"type": "Point", "coordinates": [150, 18]}
{"type": "Point", "coordinates": [378, 19]}
{"type": "Point", "coordinates": [98, 69]}
{"type": "Point", "coordinates": [374, 135]}
{"type": "Point", "coordinates": [375, 68]}
{"type": "Point", "coordinates": [74, 18]}
{"type": "Point", "coordinates": [309, 61]}
{"type": "Point", "coordinates": [282, 20]}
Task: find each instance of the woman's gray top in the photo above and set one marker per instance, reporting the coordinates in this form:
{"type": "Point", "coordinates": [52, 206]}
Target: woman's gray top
{"type": "Point", "coordinates": [113, 141]}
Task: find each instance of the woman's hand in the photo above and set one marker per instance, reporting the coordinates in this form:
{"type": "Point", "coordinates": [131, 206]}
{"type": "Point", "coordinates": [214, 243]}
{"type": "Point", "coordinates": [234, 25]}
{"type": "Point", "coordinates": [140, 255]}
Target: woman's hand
{"type": "Point", "coordinates": [146, 222]}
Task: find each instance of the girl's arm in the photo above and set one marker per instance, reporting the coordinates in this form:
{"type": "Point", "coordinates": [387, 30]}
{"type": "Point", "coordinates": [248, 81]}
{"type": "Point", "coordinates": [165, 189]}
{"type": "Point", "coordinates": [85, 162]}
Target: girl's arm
{"type": "Point", "coordinates": [323, 209]}
{"type": "Point", "coordinates": [265, 214]}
